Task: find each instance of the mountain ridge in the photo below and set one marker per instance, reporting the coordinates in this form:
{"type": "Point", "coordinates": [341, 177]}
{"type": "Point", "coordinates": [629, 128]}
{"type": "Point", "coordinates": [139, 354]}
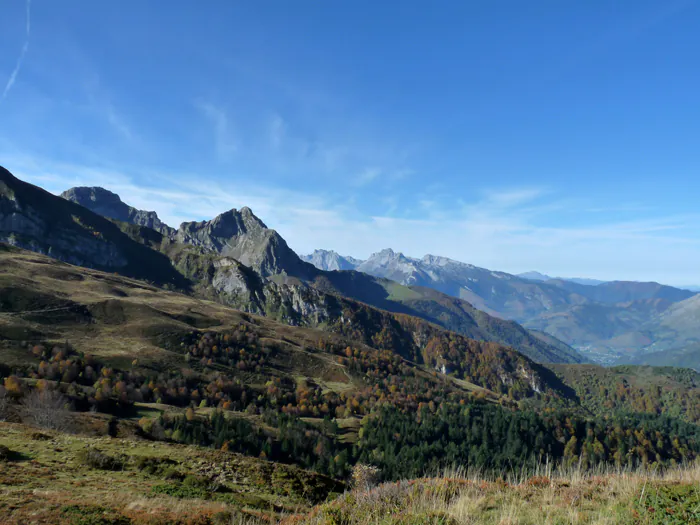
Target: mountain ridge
{"type": "Point", "coordinates": [273, 280]}
{"type": "Point", "coordinates": [562, 308]}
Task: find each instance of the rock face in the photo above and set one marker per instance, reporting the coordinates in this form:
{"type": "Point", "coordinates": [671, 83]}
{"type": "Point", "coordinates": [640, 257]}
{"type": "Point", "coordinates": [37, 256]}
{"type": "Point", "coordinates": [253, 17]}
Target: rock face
{"type": "Point", "coordinates": [329, 261]}
{"type": "Point", "coordinates": [34, 219]}
{"type": "Point", "coordinates": [108, 204]}
{"type": "Point", "coordinates": [244, 237]}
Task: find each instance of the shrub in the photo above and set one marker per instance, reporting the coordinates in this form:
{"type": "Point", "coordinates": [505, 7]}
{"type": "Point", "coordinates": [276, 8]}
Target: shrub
{"type": "Point", "coordinates": [46, 409]}
{"type": "Point", "coordinates": [77, 515]}
{"type": "Point", "coordinates": [191, 487]}
{"type": "Point", "coordinates": [182, 491]}
{"type": "Point", "coordinates": [172, 473]}
{"type": "Point", "coordinates": [93, 458]}
{"type": "Point", "coordinates": [162, 467]}
{"type": "Point", "coordinates": [364, 477]}
{"type": "Point", "coordinates": [4, 404]}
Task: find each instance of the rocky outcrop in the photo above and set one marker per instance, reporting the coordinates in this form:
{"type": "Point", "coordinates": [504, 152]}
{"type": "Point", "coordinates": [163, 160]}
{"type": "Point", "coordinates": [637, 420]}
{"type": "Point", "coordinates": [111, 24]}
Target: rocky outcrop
{"type": "Point", "coordinates": [244, 237]}
{"type": "Point", "coordinates": [108, 204]}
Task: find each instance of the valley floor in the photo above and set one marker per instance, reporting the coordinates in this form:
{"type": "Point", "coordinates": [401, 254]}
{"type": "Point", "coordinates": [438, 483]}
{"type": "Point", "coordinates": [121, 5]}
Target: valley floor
{"type": "Point", "coordinates": [48, 477]}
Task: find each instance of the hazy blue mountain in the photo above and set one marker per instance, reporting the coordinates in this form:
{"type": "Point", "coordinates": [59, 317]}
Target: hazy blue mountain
{"type": "Point", "coordinates": [498, 293]}
{"type": "Point", "coordinates": [685, 357]}
{"type": "Point", "coordinates": [534, 276]}
{"type": "Point", "coordinates": [603, 318]}
{"type": "Point", "coordinates": [583, 280]}
{"type": "Point", "coordinates": [329, 260]}
{"type": "Point", "coordinates": [537, 276]}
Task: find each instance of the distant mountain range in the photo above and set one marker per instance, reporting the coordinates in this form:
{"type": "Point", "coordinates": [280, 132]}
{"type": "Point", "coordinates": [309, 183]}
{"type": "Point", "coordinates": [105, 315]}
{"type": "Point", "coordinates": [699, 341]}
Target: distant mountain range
{"type": "Point", "coordinates": [236, 260]}
{"type": "Point", "coordinates": [605, 320]}
{"type": "Point", "coordinates": [537, 276]}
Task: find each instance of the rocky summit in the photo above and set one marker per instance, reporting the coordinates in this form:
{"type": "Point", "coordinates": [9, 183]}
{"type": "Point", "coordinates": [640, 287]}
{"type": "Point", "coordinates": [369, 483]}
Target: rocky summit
{"type": "Point", "coordinates": [329, 260]}
{"type": "Point", "coordinates": [108, 204]}
{"type": "Point", "coordinates": [243, 236]}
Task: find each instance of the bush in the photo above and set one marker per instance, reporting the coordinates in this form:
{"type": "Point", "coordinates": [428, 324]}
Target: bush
{"type": "Point", "coordinates": [5, 453]}
{"type": "Point", "coordinates": [4, 404]}
{"type": "Point", "coordinates": [93, 458]}
{"type": "Point", "coordinates": [162, 467]}
{"type": "Point", "coordinates": [171, 473]}
{"type": "Point", "coordinates": [181, 491]}
{"type": "Point", "coordinates": [191, 487]}
{"type": "Point", "coordinates": [364, 477]}
{"type": "Point", "coordinates": [46, 409]}
{"type": "Point", "coordinates": [78, 515]}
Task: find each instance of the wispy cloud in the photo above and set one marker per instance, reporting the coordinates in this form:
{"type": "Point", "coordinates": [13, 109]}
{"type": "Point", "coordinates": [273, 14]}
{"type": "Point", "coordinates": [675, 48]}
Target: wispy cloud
{"type": "Point", "coordinates": [278, 130]}
{"type": "Point", "coordinates": [118, 123]}
{"type": "Point", "coordinates": [23, 53]}
{"type": "Point", "coordinates": [225, 141]}
{"type": "Point", "coordinates": [513, 197]}
{"type": "Point", "coordinates": [367, 175]}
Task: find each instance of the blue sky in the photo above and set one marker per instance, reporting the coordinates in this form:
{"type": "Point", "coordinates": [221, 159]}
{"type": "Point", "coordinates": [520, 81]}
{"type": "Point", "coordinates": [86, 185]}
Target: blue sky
{"type": "Point", "coordinates": [548, 135]}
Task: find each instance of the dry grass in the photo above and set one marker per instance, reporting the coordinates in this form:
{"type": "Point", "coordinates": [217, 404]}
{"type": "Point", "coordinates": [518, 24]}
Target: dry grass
{"type": "Point", "coordinates": [547, 497]}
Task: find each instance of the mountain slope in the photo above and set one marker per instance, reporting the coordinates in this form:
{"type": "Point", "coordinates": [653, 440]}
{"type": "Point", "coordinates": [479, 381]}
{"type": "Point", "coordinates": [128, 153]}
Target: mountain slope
{"type": "Point", "coordinates": [237, 260]}
{"type": "Point", "coordinates": [112, 316]}
{"type": "Point", "coordinates": [602, 319]}
{"type": "Point", "coordinates": [497, 293]}
{"type": "Point", "coordinates": [39, 221]}
{"type": "Point", "coordinates": [686, 357]}
{"type": "Point", "coordinates": [615, 292]}
{"type": "Point", "coordinates": [462, 317]}
{"type": "Point", "coordinates": [675, 328]}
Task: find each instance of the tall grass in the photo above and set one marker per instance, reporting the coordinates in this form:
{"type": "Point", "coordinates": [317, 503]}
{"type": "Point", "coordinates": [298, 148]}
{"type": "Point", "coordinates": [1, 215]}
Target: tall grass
{"type": "Point", "coordinates": [548, 494]}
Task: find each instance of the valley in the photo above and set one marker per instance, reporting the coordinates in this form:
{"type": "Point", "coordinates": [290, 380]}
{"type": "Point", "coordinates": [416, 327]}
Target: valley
{"type": "Point", "coordinates": [607, 322]}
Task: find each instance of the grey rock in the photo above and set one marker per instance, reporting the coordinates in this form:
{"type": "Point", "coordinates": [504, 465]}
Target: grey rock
{"type": "Point", "coordinates": [329, 261]}
{"type": "Point", "coordinates": [108, 204]}
{"type": "Point", "coordinates": [244, 237]}
{"type": "Point", "coordinates": [25, 225]}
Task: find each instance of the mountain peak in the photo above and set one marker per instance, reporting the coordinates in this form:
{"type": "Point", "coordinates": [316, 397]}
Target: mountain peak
{"type": "Point", "coordinates": [534, 276]}
{"type": "Point", "coordinates": [92, 193]}
{"type": "Point", "coordinates": [108, 204]}
{"type": "Point", "coordinates": [387, 254]}
{"type": "Point", "coordinates": [234, 220]}
{"type": "Point", "coordinates": [241, 235]}
{"type": "Point", "coordinates": [330, 260]}
{"type": "Point", "coordinates": [438, 260]}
